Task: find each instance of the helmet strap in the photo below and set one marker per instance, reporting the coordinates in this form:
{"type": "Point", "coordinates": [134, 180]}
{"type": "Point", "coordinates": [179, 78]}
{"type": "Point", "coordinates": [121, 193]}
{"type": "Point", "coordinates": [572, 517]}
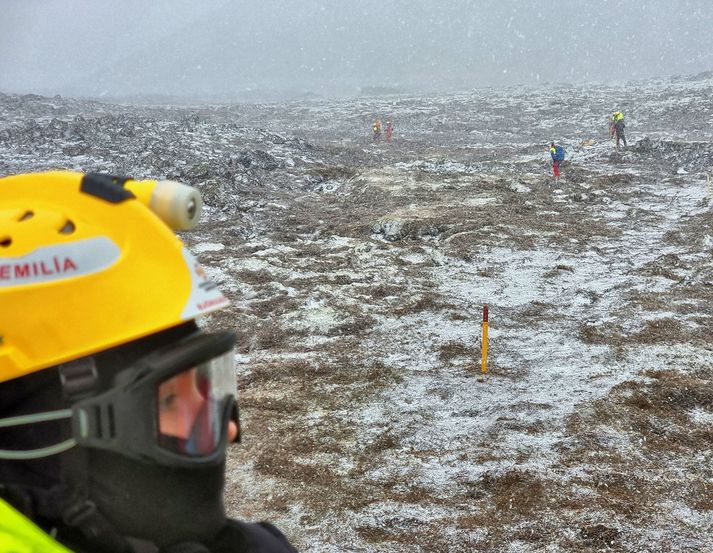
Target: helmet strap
{"type": "Point", "coordinates": [79, 379]}
{"type": "Point", "coordinates": [77, 510]}
{"type": "Point", "coordinates": [66, 503]}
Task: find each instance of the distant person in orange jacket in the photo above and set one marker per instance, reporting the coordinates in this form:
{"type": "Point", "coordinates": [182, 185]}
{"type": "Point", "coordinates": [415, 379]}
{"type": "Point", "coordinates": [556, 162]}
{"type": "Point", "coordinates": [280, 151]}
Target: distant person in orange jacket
{"type": "Point", "coordinates": [389, 131]}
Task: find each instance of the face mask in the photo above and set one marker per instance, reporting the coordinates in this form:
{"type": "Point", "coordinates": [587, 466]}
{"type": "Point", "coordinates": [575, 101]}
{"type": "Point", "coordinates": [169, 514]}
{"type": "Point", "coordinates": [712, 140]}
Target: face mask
{"type": "Point", "coordinates": [164, 505]}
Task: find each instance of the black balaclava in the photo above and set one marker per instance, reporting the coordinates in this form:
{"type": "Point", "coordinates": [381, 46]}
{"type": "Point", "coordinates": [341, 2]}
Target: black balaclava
{"type": "Point", "coordinates": [163, 505]}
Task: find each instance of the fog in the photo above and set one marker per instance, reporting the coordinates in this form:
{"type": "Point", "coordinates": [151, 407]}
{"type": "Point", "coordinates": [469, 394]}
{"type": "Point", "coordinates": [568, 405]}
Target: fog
{"type": "Point", "coordinates": [272, 48]}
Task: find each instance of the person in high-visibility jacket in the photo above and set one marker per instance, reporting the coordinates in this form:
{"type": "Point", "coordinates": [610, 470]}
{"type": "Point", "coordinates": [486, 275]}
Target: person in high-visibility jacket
{"type": "Point", "coordinates": [116, 408]}
{"type": "Point", "coordinates": [618, 120]}
{"type": "Point", "coordinates": [376, 131]}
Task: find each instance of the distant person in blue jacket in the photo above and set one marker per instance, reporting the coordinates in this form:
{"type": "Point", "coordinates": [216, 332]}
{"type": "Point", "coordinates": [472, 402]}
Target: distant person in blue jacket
{"type": "Point", "coordinates": [557, 153]}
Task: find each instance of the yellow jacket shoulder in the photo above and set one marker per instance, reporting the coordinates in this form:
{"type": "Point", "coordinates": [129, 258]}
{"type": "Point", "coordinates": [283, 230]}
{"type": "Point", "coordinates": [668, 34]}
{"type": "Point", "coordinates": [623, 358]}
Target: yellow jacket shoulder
{"type": "Point", "coordinates": [19, 534]}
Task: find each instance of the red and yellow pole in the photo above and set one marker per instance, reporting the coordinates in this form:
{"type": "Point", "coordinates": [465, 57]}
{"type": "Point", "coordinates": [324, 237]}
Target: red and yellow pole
{"type": "Point", "coordinates": [484, 348]}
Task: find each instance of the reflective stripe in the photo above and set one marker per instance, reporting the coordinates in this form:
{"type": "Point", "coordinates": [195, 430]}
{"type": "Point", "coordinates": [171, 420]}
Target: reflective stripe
{"type": "Point", "coordinates": [59, 262]}
{"type": "Point", "coordinates": [19, 534]}
{"type": "Point", "coordinates": [205, 295]}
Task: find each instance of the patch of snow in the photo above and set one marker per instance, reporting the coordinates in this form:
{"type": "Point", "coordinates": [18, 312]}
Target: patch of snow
{"type": "Point", "coordinates": [208, 247]}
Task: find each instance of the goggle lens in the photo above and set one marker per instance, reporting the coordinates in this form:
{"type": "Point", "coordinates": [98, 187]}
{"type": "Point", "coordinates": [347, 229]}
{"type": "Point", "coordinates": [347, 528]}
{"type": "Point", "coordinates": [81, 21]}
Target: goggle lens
{"type": "Point", "coordinates": [191, 407]}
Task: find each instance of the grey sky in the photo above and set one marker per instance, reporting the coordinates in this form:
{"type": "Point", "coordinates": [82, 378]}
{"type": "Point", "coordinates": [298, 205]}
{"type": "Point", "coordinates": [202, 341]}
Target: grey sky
{"type": "Point", "coordinates": [222, 47]}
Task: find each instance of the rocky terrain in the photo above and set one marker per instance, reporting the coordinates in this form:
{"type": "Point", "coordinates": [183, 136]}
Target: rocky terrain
{"type": "Point", "coordinates": [358, 273]}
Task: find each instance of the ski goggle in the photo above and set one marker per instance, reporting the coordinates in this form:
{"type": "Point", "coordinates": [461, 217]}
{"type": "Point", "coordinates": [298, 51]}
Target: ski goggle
{"type": "Point", "coordinates": [172, 407]}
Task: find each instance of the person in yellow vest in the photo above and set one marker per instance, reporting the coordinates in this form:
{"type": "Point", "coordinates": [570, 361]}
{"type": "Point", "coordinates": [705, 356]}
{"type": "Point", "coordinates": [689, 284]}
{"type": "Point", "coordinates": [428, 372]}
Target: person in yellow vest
{"type": "Point", "coordinates": [376, 131]}
{"type": "Point", "coordinates": [618, 124]}
{"type": "Point", "coordinates": [116, 407]}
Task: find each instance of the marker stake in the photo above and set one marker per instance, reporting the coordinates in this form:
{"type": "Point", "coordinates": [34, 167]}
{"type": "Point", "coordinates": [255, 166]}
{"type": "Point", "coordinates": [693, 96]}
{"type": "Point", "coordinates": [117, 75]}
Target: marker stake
{"type": "Point", "coordinates": [484, 348]}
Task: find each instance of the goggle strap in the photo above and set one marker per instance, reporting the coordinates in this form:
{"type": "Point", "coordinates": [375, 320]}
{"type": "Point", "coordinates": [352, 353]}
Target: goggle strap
{"type": "Point", "coordinates": [9, 455]}
{"type": "Point", "coordinates": [21, 420]}
{"type": "Point", "coordinates": [47, 416]}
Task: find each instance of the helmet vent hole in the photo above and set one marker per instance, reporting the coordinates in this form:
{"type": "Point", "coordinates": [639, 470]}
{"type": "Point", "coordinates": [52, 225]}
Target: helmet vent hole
{"type": "Point", "coordinates": [5, 242]}
{"type": "Point", "coordinates": [27, 215]}
{"type": "Point", "coordinates": [68, 228]}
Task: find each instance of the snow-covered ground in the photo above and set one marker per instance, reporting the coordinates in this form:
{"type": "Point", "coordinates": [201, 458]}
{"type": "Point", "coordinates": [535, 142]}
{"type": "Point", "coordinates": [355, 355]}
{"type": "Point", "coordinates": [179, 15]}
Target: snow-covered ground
{"type": "Point", "coordinates": [358, 273]}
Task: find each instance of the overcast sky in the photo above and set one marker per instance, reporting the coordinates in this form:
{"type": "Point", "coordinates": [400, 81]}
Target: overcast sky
{"type": "Point", "coordinates": [334, 47]}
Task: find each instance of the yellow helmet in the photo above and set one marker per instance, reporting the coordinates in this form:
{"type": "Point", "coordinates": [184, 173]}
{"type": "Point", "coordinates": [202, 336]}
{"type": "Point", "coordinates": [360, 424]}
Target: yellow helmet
{"type": "Point", "coordinates": [89, 262]}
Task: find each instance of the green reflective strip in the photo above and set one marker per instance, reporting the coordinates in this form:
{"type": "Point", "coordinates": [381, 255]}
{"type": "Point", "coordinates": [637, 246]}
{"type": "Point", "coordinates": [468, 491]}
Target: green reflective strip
{"type": "Point", "coordinates": [19, 534]}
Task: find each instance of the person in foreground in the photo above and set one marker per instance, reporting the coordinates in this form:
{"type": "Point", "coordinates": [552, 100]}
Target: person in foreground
{"type": "Point", "coordinates": [116, 408]}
